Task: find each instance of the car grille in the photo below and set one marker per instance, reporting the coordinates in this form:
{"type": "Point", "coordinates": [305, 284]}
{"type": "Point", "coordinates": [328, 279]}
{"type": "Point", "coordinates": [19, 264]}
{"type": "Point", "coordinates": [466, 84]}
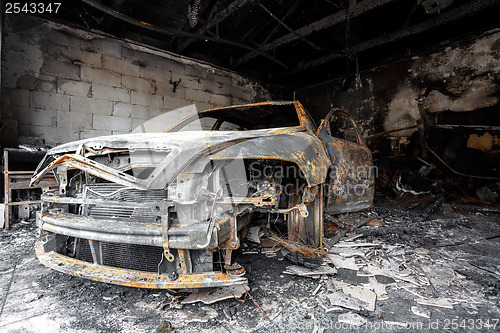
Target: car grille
{"type": "Point", "coordinates": [111, 191]}
{"type": "Point", "coordinates": [81, 251]}
{"type": "Point", "coordinates": [116, 192]}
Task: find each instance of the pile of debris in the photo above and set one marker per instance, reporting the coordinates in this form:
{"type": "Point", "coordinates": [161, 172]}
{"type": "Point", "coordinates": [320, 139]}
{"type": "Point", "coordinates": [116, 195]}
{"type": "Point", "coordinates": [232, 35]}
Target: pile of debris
{"type": "Point", "coordinates": [367, 272]}
{"type": "Point", "coordinates": [351, 278]}
{"type": "Point", "coordinates": [355, 275]}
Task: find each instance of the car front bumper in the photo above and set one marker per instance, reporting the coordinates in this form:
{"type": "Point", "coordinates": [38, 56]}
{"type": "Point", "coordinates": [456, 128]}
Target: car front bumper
{"type": "Point", "coordinates": [45, 251]}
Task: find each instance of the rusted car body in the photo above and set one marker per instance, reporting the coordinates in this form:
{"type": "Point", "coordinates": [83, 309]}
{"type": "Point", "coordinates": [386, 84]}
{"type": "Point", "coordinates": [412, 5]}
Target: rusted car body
{"type": "Point", "coordinates": [160, 210]}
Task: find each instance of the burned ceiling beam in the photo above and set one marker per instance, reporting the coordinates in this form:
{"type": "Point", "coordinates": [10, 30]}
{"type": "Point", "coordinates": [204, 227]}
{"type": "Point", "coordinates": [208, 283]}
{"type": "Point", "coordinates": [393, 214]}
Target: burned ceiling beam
{"type": "Point", "coordinates": [334, 4]}
{"type": "Point", "coordinates": [324, 23]}
{"type": "Point", "coordinates": [441, 19]}
{"type": "Point", "coordinates": [175, 32]}
{"type": "Point", "coordinates": [258, 28]}
{"type": "Point", "coordinates": [329, 21]}
{"type": "Point", "coordinates": [246, 37]}
{"type": "Point", "coordinates": [410, 16]}
{"type": "Point", "coordinates": [305, 40]}
{"type": "Point", "coordinates": [224, 14]}
{"type": "Point", "coordinates": [290, 11]}
{"type": "Point", "coordinates": [118, 5]}
{"type": "Point", "coordinates": [216, 19]}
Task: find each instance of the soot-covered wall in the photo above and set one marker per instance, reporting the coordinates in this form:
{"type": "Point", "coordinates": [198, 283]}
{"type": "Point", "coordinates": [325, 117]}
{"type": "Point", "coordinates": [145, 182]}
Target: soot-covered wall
{"type": "Point", "coordinates": [461, 82]}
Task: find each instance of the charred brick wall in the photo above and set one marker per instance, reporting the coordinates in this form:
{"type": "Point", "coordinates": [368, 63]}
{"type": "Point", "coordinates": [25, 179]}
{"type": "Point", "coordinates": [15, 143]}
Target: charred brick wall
{"type": "Point", "coordinates": [62, 84]}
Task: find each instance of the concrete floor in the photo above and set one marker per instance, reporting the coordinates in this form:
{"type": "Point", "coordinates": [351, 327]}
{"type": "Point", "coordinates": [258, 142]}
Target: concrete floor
{"type": "Point", "coordinates": [456, 249]}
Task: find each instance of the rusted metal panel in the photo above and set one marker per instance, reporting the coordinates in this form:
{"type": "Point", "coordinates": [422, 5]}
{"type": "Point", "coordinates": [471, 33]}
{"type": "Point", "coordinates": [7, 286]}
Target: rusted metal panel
{"type": "Point", "coordinates": [352, 175]}
{"type": "Point", "coordinates": [187, 149]}
{"type": "Point", "coordinates": [307, 152]}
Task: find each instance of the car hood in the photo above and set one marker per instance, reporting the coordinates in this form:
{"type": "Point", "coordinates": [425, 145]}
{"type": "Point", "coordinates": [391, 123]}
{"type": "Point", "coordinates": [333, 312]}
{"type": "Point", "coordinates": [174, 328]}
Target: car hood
{"type": "Point", "coordinates": [189, 150]}
{"type": "Point", "coordinates": [184, 140]}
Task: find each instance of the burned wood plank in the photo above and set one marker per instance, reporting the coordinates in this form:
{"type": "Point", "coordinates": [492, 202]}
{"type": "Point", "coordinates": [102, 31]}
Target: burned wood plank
{"type": "Point", "coordinates": [431, 209]}
{"type": "Point", "coordinates": [342, 233]}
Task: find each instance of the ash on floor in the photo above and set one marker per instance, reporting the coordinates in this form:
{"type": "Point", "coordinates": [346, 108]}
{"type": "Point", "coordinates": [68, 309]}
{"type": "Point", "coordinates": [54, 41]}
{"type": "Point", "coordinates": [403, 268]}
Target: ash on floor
{"type": "Point", "coordinates": [412, 268]}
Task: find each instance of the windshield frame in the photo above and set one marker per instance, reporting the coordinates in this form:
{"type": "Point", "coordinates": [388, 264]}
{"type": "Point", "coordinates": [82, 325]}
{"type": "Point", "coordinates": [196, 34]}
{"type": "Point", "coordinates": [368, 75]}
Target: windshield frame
{"type": "Point", "coordinates": [303, 116]}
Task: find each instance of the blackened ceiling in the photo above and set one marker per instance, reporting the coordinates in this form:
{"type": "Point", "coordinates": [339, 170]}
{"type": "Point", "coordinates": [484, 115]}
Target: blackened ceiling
{"type": "Point", "coordinates": [288, 42]}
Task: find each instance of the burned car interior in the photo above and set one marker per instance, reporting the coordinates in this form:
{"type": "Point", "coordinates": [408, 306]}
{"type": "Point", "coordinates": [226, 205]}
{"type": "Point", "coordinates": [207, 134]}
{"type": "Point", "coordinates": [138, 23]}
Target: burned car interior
{"type": "Point", "coordinates": [174, 201]}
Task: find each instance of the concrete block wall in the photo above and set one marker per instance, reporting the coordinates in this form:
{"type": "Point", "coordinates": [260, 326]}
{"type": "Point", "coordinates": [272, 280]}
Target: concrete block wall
{"type": "Point", "coordinates": [62, 84]}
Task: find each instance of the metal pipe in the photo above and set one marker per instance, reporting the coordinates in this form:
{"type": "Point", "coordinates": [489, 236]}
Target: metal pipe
{"type": "Point", "coordinates": [458, 172]}
{"type": "Point", "coordinates": [104, 237]}
{"type": "Point", "coordinates": [471, 127]}
{"type": "Point", "coordinates": [106, 226]}
{"type": "Point", "coordinates": [300, 207]}
{"type": "Point", "coordinates": [376, 135]}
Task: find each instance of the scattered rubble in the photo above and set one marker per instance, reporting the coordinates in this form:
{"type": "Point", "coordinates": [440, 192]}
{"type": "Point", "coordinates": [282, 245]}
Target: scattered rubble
{"type": "Point", "coordinates": [353, 319]}
{"type": "Point", "coordinates": [444, 267]}
{"type": "Point", "coordinates": [421, 311]}
{"type": "Point", "coordinates": [213, 295]}
{"type": "Point", "coordinates": [309, 272]}
{"type": "Point", "coordinates": [348, 301]}
{"type": "Point", "coordinates": [254, 234]}
{"type": "Point", "coordinates": [201, 315]}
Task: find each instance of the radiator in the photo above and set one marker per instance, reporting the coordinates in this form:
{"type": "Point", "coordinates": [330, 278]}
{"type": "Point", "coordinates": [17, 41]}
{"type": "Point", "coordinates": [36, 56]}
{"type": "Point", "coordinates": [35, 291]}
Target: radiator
{"type": "Point", "coordinates": [116, 192]}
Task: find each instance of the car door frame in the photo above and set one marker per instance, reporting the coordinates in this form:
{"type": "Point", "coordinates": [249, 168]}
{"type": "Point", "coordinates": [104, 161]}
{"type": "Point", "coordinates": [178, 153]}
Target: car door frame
{"type": "Point", "coordinates": [350, 186]}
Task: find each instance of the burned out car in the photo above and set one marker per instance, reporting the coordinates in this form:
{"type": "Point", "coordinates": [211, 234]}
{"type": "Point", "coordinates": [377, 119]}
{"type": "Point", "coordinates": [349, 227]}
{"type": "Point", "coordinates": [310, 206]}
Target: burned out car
{"type": "Point", "coordinates": [167, 210]}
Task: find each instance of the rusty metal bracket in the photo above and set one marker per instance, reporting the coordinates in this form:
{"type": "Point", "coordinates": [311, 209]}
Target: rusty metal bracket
{"type": "Point", "coordinates": [302, 208]}
{"type": "Point", "coordinates": [163, 216]}
{"type": "Point", "coordinates": [233, 242]}
{"type": "Point", "coordinates": [91, 167]}
{"type": "Point", "coordinates": [96, 251]}
{"type": "Point", "coordinates": [212, 222]}
{"type": "Point", "coordinates": [185, 261]}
